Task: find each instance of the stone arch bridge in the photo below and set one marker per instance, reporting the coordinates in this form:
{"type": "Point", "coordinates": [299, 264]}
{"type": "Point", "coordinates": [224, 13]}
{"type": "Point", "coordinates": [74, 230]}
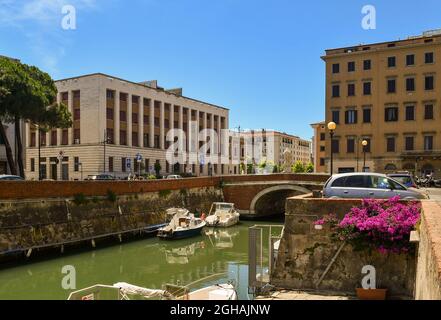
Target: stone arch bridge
{"type": "Point", "coordinates": [265, 195]}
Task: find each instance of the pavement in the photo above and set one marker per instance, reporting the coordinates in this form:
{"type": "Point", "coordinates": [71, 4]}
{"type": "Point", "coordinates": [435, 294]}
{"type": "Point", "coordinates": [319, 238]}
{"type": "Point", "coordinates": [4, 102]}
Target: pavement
{"type": "Point", "coordinates": [435, 194]}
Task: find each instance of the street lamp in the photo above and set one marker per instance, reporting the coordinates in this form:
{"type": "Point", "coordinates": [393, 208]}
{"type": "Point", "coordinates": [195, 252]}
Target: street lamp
{"type": "Point", "coordinates": [332, 126]}
{"type": "Point", "coordinates": [364, 143]}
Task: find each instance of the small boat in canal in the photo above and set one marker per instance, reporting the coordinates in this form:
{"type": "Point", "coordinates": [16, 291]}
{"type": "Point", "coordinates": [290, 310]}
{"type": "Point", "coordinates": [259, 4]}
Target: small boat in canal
{"type": "Point", "coordinates": [222, 215]}
{"type": "Point", "coordinates": [126, 291]}
{"type": "Point", "coordinates": [181, 224]}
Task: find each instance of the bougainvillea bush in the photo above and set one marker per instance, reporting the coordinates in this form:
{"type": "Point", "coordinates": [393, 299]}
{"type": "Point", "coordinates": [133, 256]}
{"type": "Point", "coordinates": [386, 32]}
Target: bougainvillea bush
{"type": "Point", "coordinates": [384, 225]}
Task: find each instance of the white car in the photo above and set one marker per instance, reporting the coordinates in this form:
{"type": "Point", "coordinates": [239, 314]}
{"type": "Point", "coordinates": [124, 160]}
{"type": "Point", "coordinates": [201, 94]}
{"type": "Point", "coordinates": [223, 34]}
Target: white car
{"type": "Point", "coordinates": [7, 177]}
{"type": "Point", "coordinates": [174, 177]}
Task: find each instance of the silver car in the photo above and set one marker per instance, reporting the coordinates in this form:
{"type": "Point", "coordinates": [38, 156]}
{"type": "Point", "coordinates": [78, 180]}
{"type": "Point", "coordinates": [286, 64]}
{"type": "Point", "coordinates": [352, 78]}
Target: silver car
{"type": "Point", "coordinates": [368, 185]}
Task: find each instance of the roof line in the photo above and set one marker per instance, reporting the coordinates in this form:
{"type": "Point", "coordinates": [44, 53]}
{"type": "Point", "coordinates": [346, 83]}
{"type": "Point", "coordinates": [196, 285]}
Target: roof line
{"type": "Point", "coordinates": [141, 85]}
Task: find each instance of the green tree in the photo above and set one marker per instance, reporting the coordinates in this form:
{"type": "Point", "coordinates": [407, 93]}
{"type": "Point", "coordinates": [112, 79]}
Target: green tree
{"type": "Point", "coordinates": [28, 94]}
{"type": "Point", "coordinates": [309, 168]}
{"type": "Point", "coordinates": [158, 168]}
{"type": "Point", "coordinates": [298, 167]}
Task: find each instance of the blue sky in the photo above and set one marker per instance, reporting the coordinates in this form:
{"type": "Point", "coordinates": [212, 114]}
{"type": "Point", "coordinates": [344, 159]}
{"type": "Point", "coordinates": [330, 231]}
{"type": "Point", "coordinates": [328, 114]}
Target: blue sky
{"type": "Point", "coordinates": [259, 58]}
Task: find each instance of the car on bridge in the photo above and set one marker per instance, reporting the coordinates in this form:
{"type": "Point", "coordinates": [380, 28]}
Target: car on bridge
{"type": "Point", "coordinates": [101, 177]}
{"type": "Point", "coordinates": [368, 185]}
{"type": "Point", "coordinates": [7, 177]}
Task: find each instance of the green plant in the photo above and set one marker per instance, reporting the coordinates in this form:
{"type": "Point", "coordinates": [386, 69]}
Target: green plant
{"type": "Point", "coordinates": [298, 167]}
{"type": "Point", "coordinates": [111, 196]}
{"type": "Point", "coordinates": [309, 168]}
{"type": "Point", "coordinates": [151, 177]}
{"type": "Point", "coordinates": [164, 193]}
{"type": "Point", "coordinates": [79, 199]}
{"type": "Point", "coordinates": [158, 168]}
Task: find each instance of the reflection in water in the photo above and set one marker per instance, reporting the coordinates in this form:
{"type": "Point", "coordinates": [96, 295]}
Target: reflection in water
{"type": "Point", "coordinates": [148, 263]}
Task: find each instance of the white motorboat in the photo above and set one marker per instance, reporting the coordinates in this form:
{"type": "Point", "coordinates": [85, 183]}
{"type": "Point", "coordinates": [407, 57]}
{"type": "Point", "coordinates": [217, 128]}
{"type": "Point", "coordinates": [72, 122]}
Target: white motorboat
{"type": "Point", "coordinates": [222, 215]}
{"type": "Point", "coordinates": [181, 224]}
{"type": "Point", "coordinates": [126, 291]}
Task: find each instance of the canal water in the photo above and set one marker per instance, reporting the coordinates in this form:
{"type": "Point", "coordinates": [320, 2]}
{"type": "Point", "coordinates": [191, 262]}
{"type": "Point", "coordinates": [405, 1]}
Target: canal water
{"type": "Point", "coordinates": [217, 256]}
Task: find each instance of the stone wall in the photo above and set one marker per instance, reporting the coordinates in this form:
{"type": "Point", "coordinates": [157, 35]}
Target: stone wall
{"type": "Point", "coordinates": [428, 278]}
{"type": "Point", "coordinates": [305, 253]}
{"type": "Point", "coordinates": [51, 223]}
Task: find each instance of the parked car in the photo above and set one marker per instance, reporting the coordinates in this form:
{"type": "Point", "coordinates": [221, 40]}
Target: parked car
{"type": "Point", "coordinates": [368, 185]}
{"type": "Point", "coordinates": [405, 178]}
{"type": "Point", "coordinates": [101, 177]}
{"type": "Point", "coordinates": [174, 177]}
{"type": "Point", "coordinates": [7, 177]}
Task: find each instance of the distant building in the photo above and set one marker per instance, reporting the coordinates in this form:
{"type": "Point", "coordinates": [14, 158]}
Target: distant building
{"type": "Point", "coordinates": [133, 119]}
{"type": "Point", "coordinates": [319, 146]}
{"type": "Point", "coordinates": [389, 95]}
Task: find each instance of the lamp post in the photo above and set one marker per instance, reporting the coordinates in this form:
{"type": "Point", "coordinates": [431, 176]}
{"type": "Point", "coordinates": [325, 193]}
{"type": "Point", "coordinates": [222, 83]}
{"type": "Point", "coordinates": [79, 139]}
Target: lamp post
{"type": "Point", "coordinates": [364, 144]}
{"type": "Point", "coordinates": [332, 126]}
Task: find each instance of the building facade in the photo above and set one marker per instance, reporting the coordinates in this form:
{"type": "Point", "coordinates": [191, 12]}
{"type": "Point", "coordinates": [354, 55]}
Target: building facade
{"type": "Point", "coordinates": [281, 148]}
{"type": "Point", "coordinates": [389, 95]}
{"type": "Point", "coordinates": [319, 147]}
{"type": "Point", "coordinates": [119, 127]}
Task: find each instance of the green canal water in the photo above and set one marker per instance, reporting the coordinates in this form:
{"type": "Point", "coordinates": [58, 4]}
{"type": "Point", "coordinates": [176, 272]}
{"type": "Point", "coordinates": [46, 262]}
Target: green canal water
{"type": "Point", "coordinates": [149, 263]}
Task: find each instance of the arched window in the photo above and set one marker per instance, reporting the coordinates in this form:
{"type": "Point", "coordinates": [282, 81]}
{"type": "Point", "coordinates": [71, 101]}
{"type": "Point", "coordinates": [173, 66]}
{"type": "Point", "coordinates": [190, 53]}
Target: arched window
{"type": "Point", "coordinates": [390, 167]}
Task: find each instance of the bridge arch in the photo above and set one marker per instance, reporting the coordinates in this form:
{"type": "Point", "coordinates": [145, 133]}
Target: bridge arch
{"type": "Point", "coordinates": [282, 191]}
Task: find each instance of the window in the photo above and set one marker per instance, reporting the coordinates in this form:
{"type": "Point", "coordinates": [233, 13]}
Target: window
{"type": "Point", "coordinates": [110, 136]}
{"type": "Point", "coordinates": [32, 165]}
{"type": "Point", "coordinates": [122, 137]}
{"type": "Point", "coordinates": [322, 161]}
{"type": "Point", "coordinates": [322, 137]}
{"type": "Point", "coordinates": [109, 113]}
{"type": "Point", "coordinates": [429, 82]}
{"type": "Point", "coordinates": [428, 112]}
{"type": "Point", "coordinates": [110, 94]}
{"type": "Point", "coordinates": [410, 60]}
{"type": "Point", "coordinates": [110, 164]}
{"type": "Point", "coordinates": [146, 120]}
{"type": "Point", "coordinates": [410, 84]}
{"type": "Point", "coordinates": [367, 65]}
{"type": "Point", "coordinates": [135, 141]}
{"type": "Point", "coordinates": [322, 148]}
{"type": "Point", "coordinates": [77, 114]}
{"type": "Point", "coordinates": [428, 143]}
{"type": "Point", "coordinates": [123, 164]}
{"type": "Point", "coordinates": [122, 116]}
{"type": "Point", "coordinates": [42, 138]}
{"type": "Point", "coordinates": [428, 57]}
{"type": "Point", "coordinates": [410, 113]}
{"type": "Point", "coordinates": [410, 143]}
{"type": "Point", "coordinates": [391, 62]}
{"type": "Point", "coordinates": [367, 115]}
{"type": "Point", "coordinates": [350, 145]}
{"type": "Point", "coordinates": [391, 114]}
{"type": "Point", "coordinates": [390, 144]}
{"type": "Point", "coordinates": [134, 118]}
{"type": "Point", "coordinates": [65, 137]}
{"type": "Point", "coordinates": [336, 68]}
{"type": "Point", "coordinates": [351, 89]}
{"type": "Point", "coordinates": [336, 91]}
{"type": "Point", "coordinates": [351, 116]}
{"type": "Point", "coordinates": [367, 88]}
{"type": "Point", "coordinates": [76, 164]}
{"type": "Point", "coordinates": [335, 146]}
{"type": "Point", "coordinates": [54, 134]}
{"type": "Point", "coordinates": [358, 181]}
{"type": "Point", "coordinates": [157, 142]}
{"type": "Point", "coordinates": [336, 116]}
{"type": "Point", "coordinates": [391, 85]}
{"type": "Point", "coordinates": [76, 136]}
{"type": "Point", "coordinates": [33, 140]}
{"type": "Point", "coordinates": [351, 66]}
{"type": "Point", "coordinates": [156, 122]}
{"type": "Point", "coordinates": [146, 140]}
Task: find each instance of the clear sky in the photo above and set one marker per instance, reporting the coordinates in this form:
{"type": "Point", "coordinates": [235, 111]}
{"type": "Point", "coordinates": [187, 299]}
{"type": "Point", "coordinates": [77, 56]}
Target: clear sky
{"type": "Point", "coordinates": [259, 58]}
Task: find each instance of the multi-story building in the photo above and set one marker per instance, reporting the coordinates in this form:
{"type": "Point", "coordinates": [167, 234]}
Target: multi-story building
{"type": "Point", "coordinates": [281, 148]}
{"type": "Point", "coordinates": [114, 122]}
{"type": "Point", "coordinates": [389, 95]}
{"type": "Point", "coordinates": [319, 147]}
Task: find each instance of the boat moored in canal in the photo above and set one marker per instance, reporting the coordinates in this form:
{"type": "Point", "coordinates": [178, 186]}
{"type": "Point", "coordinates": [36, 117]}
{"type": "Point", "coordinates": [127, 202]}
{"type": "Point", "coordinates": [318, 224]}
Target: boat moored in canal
{"type": "Point", "coordinates": [222, 215]}
{"type": "Point", "coordinates": [181, 224]}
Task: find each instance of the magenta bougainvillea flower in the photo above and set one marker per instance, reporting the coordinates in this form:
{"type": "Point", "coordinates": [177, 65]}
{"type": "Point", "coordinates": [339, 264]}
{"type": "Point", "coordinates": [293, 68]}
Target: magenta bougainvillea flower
{"type": "Point", "coordinates": [381, 224]}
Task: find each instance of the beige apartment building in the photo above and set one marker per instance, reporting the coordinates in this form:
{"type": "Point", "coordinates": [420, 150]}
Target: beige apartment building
{"type": "Point", "coordinates": [282, 148]}
{"type": "Point", "coordinates": [389, 95]}
{"type": "Point", "coordinates": [319, 147]}
{"type": "Point", "coordinates": [120, 127]}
